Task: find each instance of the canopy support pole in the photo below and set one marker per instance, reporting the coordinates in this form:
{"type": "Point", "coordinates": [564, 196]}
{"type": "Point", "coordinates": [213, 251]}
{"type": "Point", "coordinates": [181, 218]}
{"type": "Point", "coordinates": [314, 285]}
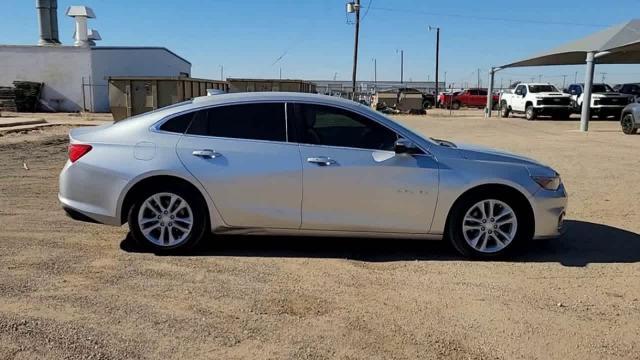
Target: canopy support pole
{"type": "Point", "coordinates": [489, 108]}
{"type": "Point", "coordinates": [586, 96]}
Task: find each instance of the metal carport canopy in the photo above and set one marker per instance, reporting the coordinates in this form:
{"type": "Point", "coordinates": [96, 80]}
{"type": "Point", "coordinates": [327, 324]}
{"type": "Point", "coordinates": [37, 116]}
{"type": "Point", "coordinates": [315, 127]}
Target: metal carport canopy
{"type": "Point", "coordinates": [618, 44]}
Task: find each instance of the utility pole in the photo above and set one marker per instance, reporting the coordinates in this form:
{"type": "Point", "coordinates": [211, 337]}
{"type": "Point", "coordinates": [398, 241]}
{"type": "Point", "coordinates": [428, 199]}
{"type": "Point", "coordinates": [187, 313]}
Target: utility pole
{"type": "Point", "coordinates": [375, 72]}
{"type": "Point", "coordinates": [401, 65]}
{"type": "Point", "coordinates": [221, 72]}
{"type": "Point", "coordinates": [604, 75]}
{"type": "Point", "coordinates": [280, 72]}
{"type": "Point", "coordinates": [478, 79]}
{"type": "Point", "coordinates": [437, 58]}
{"type": "Point", "coordinates": [575, 79]}
{"type": "Point", "coordinates": [355, 7]}
{"type": "Point", "coordinates": [564, 81]}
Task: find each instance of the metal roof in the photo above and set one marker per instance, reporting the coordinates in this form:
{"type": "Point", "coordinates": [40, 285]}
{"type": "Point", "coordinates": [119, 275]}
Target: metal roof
{"type": "Point", "coordinates": [140, 48]}
{"type": "Point", "coordinates": [619, 44]}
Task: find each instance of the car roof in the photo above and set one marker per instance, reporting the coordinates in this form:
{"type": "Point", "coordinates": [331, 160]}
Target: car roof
{"type": "Point", "coordinates": [270, 96]}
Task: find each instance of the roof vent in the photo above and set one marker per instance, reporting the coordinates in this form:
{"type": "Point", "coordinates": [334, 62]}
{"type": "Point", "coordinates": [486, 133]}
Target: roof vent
{"type": "Point", "coordinates": [48, 20]}
{"type": "Point", "coordinates": [81, 14]}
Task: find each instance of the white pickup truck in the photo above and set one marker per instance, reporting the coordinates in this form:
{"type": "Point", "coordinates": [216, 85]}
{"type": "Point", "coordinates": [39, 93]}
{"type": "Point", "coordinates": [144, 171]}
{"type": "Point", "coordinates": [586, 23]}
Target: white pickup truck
{"type": "Point", "coordinates": [605, 101]}
{"type": "Point", "coordinates": [535, 100]}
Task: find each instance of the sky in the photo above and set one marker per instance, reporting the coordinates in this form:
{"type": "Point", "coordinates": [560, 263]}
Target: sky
{"type": "Point", "coordinates": [313, 39]}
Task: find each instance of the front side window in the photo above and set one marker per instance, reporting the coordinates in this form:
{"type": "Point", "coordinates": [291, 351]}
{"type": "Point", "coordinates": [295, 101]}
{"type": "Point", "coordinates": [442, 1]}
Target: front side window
{"type": "Point", "coordinates": [521, 90]}
{"type": "Point", "coordinates": [259, 121]}
{"type": "Point", "coordinates": [325, 125]}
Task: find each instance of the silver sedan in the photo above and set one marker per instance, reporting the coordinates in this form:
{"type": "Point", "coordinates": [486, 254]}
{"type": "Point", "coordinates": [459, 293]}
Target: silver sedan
{"type": "Point", "coordinates": [301, 164]}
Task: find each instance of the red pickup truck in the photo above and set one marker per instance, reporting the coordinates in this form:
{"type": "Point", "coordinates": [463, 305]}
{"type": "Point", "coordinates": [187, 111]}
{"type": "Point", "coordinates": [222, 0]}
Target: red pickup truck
{"type": "Point", "coordinates": [468, 97]}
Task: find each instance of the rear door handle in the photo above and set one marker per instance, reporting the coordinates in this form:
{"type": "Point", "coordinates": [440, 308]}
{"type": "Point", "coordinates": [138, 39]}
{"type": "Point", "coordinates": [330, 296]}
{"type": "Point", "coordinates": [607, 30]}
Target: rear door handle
{"type": "Point", "coordinates": [206, 153]}
{"type": "Point", "coordinates": [322, 161]}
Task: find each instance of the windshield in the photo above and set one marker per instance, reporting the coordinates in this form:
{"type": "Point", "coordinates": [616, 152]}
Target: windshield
{"type": "Point", "coordinates": [601, 88]}
{"type": "Point", "coordinates": [542, 88]}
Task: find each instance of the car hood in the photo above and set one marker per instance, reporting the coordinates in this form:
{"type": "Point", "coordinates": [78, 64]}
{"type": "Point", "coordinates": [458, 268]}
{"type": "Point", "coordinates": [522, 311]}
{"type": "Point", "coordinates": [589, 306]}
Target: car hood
{"type": "Point", "coordinates": [549, 94]}
{"type": "Point", "coordinates": [482, 153]}
{"type": "Point", "coordinates": [608, 94]}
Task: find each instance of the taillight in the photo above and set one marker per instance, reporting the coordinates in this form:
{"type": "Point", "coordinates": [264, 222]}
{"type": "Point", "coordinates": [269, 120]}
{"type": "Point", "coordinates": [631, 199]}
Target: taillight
{"type": "Point", "coordinates": [76, 151]}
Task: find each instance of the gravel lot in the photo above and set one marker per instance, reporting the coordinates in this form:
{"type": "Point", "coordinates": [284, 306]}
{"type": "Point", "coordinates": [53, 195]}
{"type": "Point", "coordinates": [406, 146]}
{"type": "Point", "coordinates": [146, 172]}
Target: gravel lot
{"type": "Point", "coordinates": [76, 290]}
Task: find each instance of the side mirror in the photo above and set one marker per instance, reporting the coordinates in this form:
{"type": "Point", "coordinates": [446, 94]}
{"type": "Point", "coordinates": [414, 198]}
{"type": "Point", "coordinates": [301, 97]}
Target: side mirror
{"type": "Point", "coordinates": [404, 146]}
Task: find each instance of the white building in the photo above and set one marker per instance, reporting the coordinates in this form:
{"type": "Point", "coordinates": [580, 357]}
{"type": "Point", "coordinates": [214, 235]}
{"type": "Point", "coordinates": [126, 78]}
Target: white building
{"type": "Point", "coordinates": [75, 77]}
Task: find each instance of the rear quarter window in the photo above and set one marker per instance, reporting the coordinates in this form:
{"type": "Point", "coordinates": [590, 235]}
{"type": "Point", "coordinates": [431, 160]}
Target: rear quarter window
{"type": "Point", "coordinates": [178, 124]}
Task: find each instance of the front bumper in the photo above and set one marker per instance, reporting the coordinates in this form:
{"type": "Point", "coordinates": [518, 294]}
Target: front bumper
{"type": "Point", "coordinates": [549, 209]}
{"type": "Point", "coordinates": [607, 110]}
{"type": "Point", "coordinates": [551, 109]}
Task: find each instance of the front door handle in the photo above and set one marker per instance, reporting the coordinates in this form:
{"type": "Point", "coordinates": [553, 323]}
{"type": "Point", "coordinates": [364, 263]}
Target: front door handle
{"type": "Point", "coordinates": [206, 154]}
{"type": "Point", "coordinates": [322, 161]}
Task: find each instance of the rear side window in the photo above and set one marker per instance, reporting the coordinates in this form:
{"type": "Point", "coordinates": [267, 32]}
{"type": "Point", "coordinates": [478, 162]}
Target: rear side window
{"type": "Point", "coordinates": [261, 121]}
{"type": "Point", "coordinates": [178, 124]}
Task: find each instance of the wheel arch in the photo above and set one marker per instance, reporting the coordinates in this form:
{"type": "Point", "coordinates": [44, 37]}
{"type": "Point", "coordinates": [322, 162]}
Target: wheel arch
{"type": "Point", "coordinates": [528, 103]}
{"type": "Point", "coordinates": [495, 188]}
{"type": "Point", "coordinates": [129, 194]}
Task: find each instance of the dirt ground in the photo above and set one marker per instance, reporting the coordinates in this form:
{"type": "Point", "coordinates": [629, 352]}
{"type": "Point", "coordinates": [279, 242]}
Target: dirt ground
{"type": "Point", "coordinates": [77, 290]}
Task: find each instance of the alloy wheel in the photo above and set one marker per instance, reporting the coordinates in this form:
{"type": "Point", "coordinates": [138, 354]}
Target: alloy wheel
{"type": "Point", "coordinates": [165, 219]}
{"type": "Point", "coordinates": [489, 226]}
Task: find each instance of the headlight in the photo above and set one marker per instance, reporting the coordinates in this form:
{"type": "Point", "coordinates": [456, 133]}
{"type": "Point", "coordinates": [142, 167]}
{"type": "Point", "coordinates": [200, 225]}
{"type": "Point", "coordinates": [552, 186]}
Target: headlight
{"type": "Point", "coordinates": [548, 182]}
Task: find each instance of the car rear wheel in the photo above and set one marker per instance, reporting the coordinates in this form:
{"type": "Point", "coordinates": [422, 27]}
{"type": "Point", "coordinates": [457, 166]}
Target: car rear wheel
{"type": "Point", "coordinates": [628, 125]}
{"type": "Point", "coordinates": [530, 113]}
{"type": "Point", "coordinates": [455, 105]}
{"type": "Point", "coordinates": [483, 226]}
{"type": "Point", "coordinates": [165, 220]}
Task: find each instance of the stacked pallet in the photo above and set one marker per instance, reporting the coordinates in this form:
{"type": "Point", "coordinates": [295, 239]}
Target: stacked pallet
{"type": "Point", "coordinates": [23, 97]}
{"type": "Point", "coordinates": [8, 99]}
{"type": "Point", "coordinates": [27, 95]}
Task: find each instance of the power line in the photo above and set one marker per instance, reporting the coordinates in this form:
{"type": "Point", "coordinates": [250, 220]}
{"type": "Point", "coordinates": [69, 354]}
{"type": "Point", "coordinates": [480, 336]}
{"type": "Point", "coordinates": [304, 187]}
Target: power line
{"type": "Point", "coordinates": [367, 10]}
{"type": "Point", "coordinates": [487, 18]}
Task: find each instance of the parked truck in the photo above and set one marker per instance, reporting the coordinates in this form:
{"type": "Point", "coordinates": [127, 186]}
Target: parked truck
{"type": "Point", "coordinates": [535, 100]}
{"type": "Point", "coordinates": [605, 101]}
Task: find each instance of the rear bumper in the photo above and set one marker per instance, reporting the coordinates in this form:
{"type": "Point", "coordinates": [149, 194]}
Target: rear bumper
{"type": "Point", "coordinates": [549, 209]}
{"type": "Point", "coordinates": [88, 192]}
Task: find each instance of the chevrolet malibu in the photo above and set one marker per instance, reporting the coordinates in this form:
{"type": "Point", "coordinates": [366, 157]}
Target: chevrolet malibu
{"type": "Point", "coordinates": [302, 165]}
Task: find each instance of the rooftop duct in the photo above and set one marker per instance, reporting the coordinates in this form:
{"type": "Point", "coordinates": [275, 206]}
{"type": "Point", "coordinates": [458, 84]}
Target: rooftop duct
{"type": "Point", "coordinates": [48, 21]}
{"type": "Point", "coordinates": [81, 14]}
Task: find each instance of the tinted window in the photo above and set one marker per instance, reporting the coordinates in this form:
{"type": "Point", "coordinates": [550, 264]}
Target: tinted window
{"type": "Point", "coordinates": [542, 88]}
{"type": "Point", "coordinates": [601, 88]}
{"type": "Point", "coordinates": [482, 92]}
{"type": "Point", "coordinates": [521, 89]}
{"type": "Point", "coordinates": [247, 121]}
{"type": "Point", "coordinates": [324, 125]}
{"type": "Point", "coordinates": [473, 92]}
{"type": "Point", "coordinates": [178, 124]}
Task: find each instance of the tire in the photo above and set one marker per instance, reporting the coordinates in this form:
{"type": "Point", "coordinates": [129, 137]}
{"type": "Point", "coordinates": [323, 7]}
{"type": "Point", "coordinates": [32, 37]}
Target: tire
{"type": "Point", "coordinates": [495, 105]}
{"type": "Point", "coordinates": [504, 110]}
{"type": "Point", "coordinates": [514, 232]}
{"type": "Point", "coordinates": [455, 105]}
{"type": "Point", "coordinates": [169, 220]}
{"type": "Point", "coordinates": [530, 113]}
{"type": "Point", "coordinates": [427, 104]}
{"type": "Point", "coordinates": [628, 126]}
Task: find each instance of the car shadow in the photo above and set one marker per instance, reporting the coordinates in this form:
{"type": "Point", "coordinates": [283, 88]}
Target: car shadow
{"type": "Point", "coordinates": [583, 243]}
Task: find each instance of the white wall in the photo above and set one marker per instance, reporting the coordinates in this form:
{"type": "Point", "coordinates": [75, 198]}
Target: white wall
{"type": "Point", "coordinates": [60, 68]}
{"type": "Point", "coordinates": [122, 61]}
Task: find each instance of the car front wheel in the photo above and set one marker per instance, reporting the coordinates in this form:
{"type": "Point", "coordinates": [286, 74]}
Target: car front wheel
{"type": "Point", "coordinates": [487, 226]}
{"type": "Point", "coordinates": [628, 125]}
{"type": "Point", "coordinates": [166, 220]}
{"type": "Point", "coordinates": [530, 113]}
